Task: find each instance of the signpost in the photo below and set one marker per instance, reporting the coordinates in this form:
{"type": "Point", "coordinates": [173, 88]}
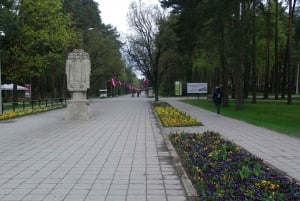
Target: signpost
{"type": "Point", "coordinates": [27, 91]}
{"type": "Point", "coordinates": [178, 88]}
{"type": "Point", "coordinates": [197, 88]}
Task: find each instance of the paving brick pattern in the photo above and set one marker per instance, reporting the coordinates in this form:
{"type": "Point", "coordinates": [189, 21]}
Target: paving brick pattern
{"type": "Point", "coordinates": [118, 155]}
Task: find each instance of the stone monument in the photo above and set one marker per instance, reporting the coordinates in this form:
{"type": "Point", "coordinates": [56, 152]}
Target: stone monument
{"type": "Point", "coordinates": [78, 70]}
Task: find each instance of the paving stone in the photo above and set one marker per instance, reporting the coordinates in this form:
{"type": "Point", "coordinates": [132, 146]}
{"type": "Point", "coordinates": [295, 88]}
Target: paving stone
{"type": "Point", "coordinates": [116, 198]}
{"type": "Point", "coordinates": [13, 197]}
{"type": "Point", "coordinates": [95, 198]}
{"type": "Point", "coordinates": [117, 155]}
{"type": "Point", "coordinates": [156, 198]}
{"type": "Point", "coordinates": [136, 197]}
{"type": "Point", "coordinates": [75, 197]}
{"type": "Point", "coordinates": [34, 197]}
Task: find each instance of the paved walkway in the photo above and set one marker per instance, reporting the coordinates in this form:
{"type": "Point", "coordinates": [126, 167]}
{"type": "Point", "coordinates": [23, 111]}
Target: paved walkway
{"type": "Point", "coordinates": [280, 151]}
{"type": "Point", "coordinates": [118, 155]}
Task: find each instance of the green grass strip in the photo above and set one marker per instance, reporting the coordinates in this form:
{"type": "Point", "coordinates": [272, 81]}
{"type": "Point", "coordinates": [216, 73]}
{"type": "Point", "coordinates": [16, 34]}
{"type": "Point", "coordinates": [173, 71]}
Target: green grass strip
{"type": "Point", "coordinates": [277, 116]}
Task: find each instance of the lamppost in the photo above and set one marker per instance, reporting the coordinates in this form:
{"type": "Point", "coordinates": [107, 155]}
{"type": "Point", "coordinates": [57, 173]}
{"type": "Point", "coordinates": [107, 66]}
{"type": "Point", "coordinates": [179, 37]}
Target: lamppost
{"type": "Point", "coordinates": [1, 34]}
{"type": "Point", "coordinates": [82, 35]}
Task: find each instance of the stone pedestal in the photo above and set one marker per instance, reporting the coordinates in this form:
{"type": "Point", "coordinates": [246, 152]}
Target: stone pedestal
{"type": "Point", "coordinates": [78, 69]}
{"type": "Point", "coordinates": [78, 110]}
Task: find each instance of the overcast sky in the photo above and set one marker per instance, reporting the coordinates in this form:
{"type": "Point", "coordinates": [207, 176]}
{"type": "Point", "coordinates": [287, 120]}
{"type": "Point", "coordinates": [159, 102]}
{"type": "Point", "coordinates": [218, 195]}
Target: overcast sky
{"type": "Point", "coordinates": [114, 12]}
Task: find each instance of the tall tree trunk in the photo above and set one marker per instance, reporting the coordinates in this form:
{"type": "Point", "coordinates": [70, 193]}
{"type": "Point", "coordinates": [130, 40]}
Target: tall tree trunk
{"type": "Point", "coordinates": [267, 64]}
{"type": "Point", "coordinates": [246, 79]}
{"type": "Point", "coordinates": [254, 79]}
{"type": "Point", "coordinates": [15, 93]}
{"type": "Point", "coordinates": [43, 80]}
{"type": "Point", "coordinates": [233, 95]}
{"type": "Point", "coordinates": [53, 85]}
{"type": "Point", "coordinates": [63, 86]}
{"type": "Point", "coordinates": [34, 88]}
{"type": "Point", "coordinates": [276, 67]}
{"type": "Point", "coordinates": [284, 73]}
{"type": "Point", "coordinates": [291, 5]}
{"type": "Point", "coordinates": [239, 57]}
{"type": "Point", "coordinates": [155, 82]}
{"type": "Point", "coordinates": [224, 66]}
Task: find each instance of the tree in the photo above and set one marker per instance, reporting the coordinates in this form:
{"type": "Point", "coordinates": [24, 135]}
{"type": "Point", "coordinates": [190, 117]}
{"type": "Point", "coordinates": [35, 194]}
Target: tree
{"type": "Point", "coordinates": [101, 41]}
{"type": "Point", "coordinates": [40, 33]}
{"type": "Point", "coordinates": [239, 53]}
{"type": "Point", "coordinates": [46, 33]}
{"type": "Point", "coordinates": [171, 59]}
{"type": "Point", "coordinates": [268, 41]}
{"type": "Point", "coordinates": [253, 52]}
{"type": "Point", "coordinates": [217, 37]}
{"type": "Point", "coordinates": [85, 14]}
{"type": "Point", "coordinates": [104, 47]}
{"type": "Point", "coordinates": [190, 17]}
{"type": "Point", "coordinates": [276, 73]}
{"type": "Point", "coordinates": [10, 24]}
{"type": "Point", "coordinates": [288, 64]}
{"type": "Point", "coordinates": [147, 44]}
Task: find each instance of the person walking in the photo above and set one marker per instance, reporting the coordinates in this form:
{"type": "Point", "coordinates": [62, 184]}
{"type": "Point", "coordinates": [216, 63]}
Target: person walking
{"type": "Point", "coordinates": [217, 98]}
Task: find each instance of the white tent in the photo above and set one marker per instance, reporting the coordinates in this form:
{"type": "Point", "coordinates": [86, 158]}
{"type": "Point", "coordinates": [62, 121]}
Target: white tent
{"type": "Point", "coordinates": [9, 87]}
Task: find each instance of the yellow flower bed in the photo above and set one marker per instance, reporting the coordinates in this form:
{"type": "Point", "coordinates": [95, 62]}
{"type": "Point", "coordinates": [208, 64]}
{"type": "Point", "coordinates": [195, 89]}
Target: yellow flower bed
{"type": "Point", "coordinates": [171, 117]}
{"type": "Point", "coordinates": [20, 113]}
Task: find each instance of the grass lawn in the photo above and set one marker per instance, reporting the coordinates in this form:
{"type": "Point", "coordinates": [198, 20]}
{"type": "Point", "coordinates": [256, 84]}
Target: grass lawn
{"type": "Point", "coordinates": [277, 116]}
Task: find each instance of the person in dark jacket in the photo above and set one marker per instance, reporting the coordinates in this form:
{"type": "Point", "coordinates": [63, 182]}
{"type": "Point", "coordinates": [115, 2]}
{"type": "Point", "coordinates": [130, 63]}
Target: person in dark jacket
{"type": "Point", "coordinates": [217, 98]}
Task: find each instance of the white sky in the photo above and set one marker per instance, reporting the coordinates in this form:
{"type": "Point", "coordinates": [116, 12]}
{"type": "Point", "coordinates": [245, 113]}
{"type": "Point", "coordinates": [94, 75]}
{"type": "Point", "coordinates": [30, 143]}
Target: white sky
{"type": "Point", "coordinates": [114, 12]}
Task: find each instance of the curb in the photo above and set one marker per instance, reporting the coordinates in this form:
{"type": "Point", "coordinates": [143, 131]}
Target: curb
{"type": "Point", "coordinates": [189, 189]}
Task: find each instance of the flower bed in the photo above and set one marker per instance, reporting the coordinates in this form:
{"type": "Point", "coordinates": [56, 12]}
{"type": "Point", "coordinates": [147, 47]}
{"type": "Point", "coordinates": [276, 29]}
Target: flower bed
{"type": "Point", "coordinates": [171, 117]}
{"type": "Point", "coordinates": [221, 170]}
{"type": "Point", "coordinates": [20, 113]}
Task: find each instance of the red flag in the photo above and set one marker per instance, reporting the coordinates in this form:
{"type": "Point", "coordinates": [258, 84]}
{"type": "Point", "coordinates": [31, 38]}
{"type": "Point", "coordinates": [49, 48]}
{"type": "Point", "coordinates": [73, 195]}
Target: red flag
{"type": "Point", "coordinates": [129, 86]}
{"type": "Point", "coordinates": [146, 83]}
{"type": "Point", "coordinates": [113, 81]}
